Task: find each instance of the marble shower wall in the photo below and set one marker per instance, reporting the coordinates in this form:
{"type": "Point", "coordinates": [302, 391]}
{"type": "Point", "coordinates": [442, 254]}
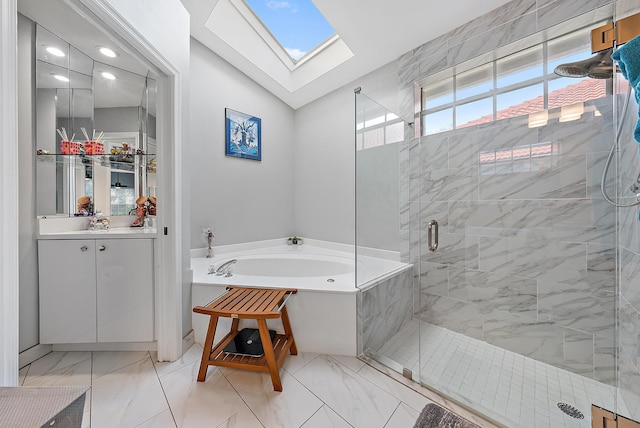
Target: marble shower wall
{"type": "Point", "coordinates": [527, 251]}
{"type": "Point", "coordinates": [629, 247]}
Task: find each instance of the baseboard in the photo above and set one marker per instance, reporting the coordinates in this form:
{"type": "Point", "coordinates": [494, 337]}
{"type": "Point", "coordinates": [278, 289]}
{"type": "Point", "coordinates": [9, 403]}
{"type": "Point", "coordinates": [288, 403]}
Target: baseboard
{"type": "Point", "coordinates": [133, 346]}
{"type": "Point", "coordinates": [28, 356]}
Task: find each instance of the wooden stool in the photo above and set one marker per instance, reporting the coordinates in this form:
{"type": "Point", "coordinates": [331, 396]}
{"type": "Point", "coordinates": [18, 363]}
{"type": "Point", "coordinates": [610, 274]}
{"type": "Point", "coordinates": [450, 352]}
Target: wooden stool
{"type": "Point", "coordinates": [249, 303]}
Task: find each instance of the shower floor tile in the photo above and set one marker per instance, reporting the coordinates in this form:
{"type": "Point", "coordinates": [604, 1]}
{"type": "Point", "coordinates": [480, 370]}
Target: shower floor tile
{"type": "Point", "coordinates": [510, 388]}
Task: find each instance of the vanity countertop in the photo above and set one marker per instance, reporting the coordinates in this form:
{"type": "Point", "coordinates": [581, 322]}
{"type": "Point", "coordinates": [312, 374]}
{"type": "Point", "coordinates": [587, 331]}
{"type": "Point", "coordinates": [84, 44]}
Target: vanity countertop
{"type": "Point", "coordinates": [113, 233]}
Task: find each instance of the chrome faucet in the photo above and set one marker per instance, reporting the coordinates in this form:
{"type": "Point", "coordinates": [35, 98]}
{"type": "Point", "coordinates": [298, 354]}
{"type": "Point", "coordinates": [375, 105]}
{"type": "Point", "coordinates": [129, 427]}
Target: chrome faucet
{"type": "Point", "coordinates": [225, 268]}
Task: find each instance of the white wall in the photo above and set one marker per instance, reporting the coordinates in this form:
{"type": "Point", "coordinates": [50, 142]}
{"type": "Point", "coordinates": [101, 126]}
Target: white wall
{"type": "Point", "coordinates": [325, 157]}
{"type": "Point", "coordinates": [378, 197]}
{"type": "Point", "coordinates": [117, 119]}
{"type": "Point", "coordinates": [28, 249]}
{"type": "Point", "coordinates": [243, 200]}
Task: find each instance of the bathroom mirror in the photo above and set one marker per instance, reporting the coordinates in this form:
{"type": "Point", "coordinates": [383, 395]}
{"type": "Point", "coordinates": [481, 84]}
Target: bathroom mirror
{"type": "Point", "coordinates": [104, 114]}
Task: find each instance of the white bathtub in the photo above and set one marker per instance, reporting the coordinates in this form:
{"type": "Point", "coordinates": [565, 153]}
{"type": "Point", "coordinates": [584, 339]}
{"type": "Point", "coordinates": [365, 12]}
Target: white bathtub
{"type": "Point", "coordinates": [323, 312]}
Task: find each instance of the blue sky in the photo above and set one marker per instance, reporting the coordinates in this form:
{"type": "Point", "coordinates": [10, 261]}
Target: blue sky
{"type": "Point", "coordinates": [296, 24]}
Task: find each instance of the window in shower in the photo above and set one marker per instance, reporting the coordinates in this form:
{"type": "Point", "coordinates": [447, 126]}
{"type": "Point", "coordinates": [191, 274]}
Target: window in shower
{"type": "Point", "coordinates": [375, 126]}
{"type": "Point", "coordinates": [518, 84]}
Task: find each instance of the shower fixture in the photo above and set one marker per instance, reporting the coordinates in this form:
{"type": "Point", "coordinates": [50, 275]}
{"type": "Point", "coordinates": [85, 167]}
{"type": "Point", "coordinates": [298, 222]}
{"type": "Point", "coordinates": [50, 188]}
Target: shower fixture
{"type": "Point", "coordinates": [599, 66]}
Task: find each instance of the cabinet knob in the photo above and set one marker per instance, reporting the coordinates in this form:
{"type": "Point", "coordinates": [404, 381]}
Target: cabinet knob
{"type": "Point", "coordinates": [84, 248]}
{"type": "Point", "coordinates": [102, 248]}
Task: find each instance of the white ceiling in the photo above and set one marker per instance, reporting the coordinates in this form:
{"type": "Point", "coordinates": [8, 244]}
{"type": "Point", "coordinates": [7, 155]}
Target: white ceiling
{"type": "Point", "coordinates": [375, 32]}
{"type": "Point", "coordinates": [65, 26]}
{"type": "Point", "coordinates": [372, 34]}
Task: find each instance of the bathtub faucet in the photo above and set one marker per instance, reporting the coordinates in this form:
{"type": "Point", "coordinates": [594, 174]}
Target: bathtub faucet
{"type": "Point", "coordinates": [225, 268]}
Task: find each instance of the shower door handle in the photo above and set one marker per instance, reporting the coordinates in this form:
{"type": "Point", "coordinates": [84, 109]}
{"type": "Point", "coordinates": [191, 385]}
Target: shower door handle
{"type": "Point", "coordinates": [432, 235]}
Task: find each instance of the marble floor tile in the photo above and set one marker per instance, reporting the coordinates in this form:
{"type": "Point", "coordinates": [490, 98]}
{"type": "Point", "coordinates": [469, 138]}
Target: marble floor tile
{"type": "Point", "coordinates": [287, 409]}
{"type": "Point", "coordinates": [56, 361]}
{"type": "Point", "coordinates": [393, 387]}
{"type": "Point", "coordinates": [86, 414]}
{"type": "Point", "coordinates": [198, 404]}
{"type": "Point", "coordinates": [243, 419]}
{"type": "Point", "coordinates": [129, 389]}
{"type": "Point", "coordinates": [127, 397]}
{"type": "Point", "coordinates": [162, 420]}
{"type": "Point", "coordinates": [22, 373]}
{"type": "Point", "coordinates": [193, 354]}
{"type": "Point", "coordinates": [293, 363]}
{"type": "Point", "coordinates": [358, 401]}
{"type": "Point", "coordinates": [107, 362]}
{"type": "Point", "coordinates": [60, 370]}
{"type": "Point", "coordinates": [325, 418]}
{"type": "Point", "coordinates": [404, 416]}
{"type": "Point", "coordinates": [351, 362]}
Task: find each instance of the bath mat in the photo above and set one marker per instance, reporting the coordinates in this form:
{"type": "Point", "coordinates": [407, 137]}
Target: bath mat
{"type": "Point", "coordinates": [434, 416]}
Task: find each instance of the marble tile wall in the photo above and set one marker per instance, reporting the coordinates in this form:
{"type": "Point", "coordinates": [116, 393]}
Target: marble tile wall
{"type": "Point", "coordinates": [629, 247]}
{"type": "Point", "coordinates": [384, 309]}
{"type": "Point", "coordinates": [527, 249]}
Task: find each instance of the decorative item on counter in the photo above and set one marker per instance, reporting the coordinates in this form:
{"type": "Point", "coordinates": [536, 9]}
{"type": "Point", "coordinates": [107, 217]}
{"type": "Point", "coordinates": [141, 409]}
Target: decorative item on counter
{"type": "Point", "coordinates": [93, 145]}
{"type": "Point", "coordinates": [208, 237]}
{"type": "Point", "coordinates": [99, 222]}
{"type": "Point", "coordinates": [294, 240]}
{"type": "Point", "coordinates": [152, 205]}
{"type": "Point", "coordinates": [121, 154]}
{"type": "Point", "coordinates": [141, 211]}
{"type": "Point", "coordinates": [151, 165]}
{"type": "Point", "coordinates": [67, 145]}
{"type": "Point", "coordinates": [85, 207]}
{"type": "Point", "coordinates": [43, 152]}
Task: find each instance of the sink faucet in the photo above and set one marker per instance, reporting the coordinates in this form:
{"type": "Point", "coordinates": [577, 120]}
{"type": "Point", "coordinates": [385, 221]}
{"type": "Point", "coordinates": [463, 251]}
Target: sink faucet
{"type": "Point", "coordinates": [225, 268]}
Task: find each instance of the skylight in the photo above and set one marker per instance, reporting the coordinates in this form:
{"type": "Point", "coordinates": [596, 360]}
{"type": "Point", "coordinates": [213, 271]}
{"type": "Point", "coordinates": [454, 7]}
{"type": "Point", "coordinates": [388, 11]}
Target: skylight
{"type": "Point", "coordinates": [296, 24]}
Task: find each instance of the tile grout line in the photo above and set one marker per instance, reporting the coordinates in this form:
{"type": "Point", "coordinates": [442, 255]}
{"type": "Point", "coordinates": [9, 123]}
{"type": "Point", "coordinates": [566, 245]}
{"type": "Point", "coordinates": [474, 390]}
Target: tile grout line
{"type": "Point", "coordinates": [239, 395]}
{"type": "Point", "coordinates": [315, 395]}
{"type": "Point", "coordinates": [163, 392]}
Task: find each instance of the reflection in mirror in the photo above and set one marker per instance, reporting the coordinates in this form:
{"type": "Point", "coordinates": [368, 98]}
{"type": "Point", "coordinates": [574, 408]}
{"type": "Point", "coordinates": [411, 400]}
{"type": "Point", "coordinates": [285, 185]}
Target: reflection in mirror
{"type": "Point", "coordinates": [108, 116]}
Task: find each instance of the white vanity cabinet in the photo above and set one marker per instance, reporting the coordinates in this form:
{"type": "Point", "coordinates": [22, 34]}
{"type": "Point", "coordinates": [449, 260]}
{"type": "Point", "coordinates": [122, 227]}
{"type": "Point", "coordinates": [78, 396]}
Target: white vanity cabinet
{"type": "Point", "coordinates": [96, 290]}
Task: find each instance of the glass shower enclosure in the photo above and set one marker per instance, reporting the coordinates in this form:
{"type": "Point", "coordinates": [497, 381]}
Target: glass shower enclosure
{"type": "Point", "coordinates": [513, 312]}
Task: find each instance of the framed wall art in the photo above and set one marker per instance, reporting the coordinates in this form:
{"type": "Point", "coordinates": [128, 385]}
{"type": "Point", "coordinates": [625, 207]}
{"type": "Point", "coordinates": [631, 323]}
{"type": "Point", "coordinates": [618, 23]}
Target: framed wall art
{"type": "Point", "coordinates": [243, 135]}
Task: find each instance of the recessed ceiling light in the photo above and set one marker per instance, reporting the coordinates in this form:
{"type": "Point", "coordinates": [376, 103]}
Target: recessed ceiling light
{"type": "Point", "coordinates": [107, 52]}
{"type": "Point", "coordinates": [54, 51]}
{"type": "Point", "coordinates": [61, 77]}
{"type": "Point", "coordinates": [108, 75]}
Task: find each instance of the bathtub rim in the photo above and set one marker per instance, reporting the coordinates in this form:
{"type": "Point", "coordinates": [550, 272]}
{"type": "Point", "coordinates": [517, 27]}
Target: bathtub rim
{"type": "Point", "coordinates": [265, 249]}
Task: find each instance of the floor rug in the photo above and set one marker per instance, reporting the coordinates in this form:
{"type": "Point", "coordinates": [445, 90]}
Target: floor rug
{"type": "Point", "coordinates": [434, 416]}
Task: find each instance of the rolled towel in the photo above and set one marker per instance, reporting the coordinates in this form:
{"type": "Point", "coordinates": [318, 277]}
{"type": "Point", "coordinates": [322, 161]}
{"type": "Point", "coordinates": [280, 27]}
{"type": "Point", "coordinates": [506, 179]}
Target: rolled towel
{"type": "Point", "coordinates": [628, 57]}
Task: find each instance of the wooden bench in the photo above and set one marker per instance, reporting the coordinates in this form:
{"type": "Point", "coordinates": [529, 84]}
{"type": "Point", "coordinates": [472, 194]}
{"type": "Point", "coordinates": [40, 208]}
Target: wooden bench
{"type": "Point", "coordinates": [249, 303]}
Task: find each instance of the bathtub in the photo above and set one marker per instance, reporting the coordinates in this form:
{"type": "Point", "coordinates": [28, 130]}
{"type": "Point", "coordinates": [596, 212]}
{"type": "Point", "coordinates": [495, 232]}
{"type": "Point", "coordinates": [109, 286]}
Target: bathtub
{"type": "Point", "coordinates": [322, 313]}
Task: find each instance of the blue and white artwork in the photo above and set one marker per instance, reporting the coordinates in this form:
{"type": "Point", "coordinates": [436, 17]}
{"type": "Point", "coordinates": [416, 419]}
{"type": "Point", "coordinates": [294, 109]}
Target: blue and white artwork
{"type": "Point", "coordinates": [243, 133]}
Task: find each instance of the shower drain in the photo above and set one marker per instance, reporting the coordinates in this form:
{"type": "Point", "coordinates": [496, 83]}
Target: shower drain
{"type": "Point", "coordinates": [570, 410]}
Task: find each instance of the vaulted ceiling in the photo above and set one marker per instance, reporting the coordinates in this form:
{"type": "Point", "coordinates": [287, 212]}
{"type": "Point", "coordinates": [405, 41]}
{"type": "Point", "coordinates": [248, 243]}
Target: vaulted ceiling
{"type": "Point", "coordinates": [372, 34]}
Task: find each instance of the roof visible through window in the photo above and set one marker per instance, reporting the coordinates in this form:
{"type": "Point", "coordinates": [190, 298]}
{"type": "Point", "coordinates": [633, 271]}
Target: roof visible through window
{"type": "Point", "coordinates": [296, 24]}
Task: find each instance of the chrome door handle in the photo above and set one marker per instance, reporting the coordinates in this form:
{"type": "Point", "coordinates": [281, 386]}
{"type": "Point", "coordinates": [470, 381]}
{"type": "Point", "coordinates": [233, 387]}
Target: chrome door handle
{"type": "Point", "coordinates": [102, 248]}
{"type": "Point", "coordinates": [432, 235]}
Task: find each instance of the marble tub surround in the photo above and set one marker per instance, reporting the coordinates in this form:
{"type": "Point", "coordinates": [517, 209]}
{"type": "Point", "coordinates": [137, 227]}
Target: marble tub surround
{"type": "Point", "coordinates": [383, 310]}
{"type": "Point", "coordinates": [132, 389]}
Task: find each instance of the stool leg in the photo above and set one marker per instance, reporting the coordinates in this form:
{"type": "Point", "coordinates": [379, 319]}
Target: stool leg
{"type": "Point", "coordinates": [206, 350]}
{"type": "Point", "coordinates": [269, 354]}
{"type": "Point", "coordinates": [287, 330]}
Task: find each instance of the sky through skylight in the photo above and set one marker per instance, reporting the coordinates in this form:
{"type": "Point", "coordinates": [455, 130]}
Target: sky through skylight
{"type": "Point", "coordinates": [296, 24]}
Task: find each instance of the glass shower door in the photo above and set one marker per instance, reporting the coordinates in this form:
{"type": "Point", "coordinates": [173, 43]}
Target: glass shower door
{"type": "Point", "coordinates": [385, 303]}
{"type": "Point", "coordinates": [517, 304]}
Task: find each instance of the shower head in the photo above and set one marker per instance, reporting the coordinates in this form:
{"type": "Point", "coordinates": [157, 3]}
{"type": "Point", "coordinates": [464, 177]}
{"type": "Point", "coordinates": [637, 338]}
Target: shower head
{"type": "Point", "coordinates": [599, 66]}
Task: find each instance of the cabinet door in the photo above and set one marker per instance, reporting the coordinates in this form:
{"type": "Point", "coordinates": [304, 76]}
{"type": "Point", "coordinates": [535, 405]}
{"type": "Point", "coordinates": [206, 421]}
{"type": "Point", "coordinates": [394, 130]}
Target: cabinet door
{"type": "Point", "coordinates": [125, 290]}
{"type": "Point", "coordinates": [67, 291]}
